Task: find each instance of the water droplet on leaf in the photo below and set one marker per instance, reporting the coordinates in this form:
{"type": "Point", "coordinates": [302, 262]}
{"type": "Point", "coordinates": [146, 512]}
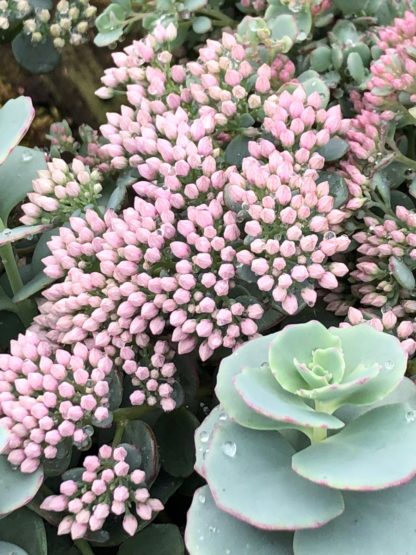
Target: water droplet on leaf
{"type": "Point", "coordinates": [389, 364]}
{"type": "Point", "coordinates": [410, 416]}
{"type": "Point", "coordinates": [201, 498]}
{"type": "Point", "coordinates": [229, 449]}
{"type": "Point", "coordinates": [26, 157]}
{"type": "Point", "coordinates": [204, 436]}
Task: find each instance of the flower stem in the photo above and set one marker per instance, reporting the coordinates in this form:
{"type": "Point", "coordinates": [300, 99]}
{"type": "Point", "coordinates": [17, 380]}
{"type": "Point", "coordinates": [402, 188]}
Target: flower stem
{"type": "Point", "coordinates": [130, 413]}
{"type": "Point", "coordinates": [121, 424]}
{"type": "Point", "coordinates": [26, 310]}
{"type": "Point", "coordinates": [84, 547]}
{"type": "Point", "coordinates": [218, 15]}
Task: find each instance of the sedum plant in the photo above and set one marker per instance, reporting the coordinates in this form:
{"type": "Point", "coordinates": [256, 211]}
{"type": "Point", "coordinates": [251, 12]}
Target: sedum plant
{"type": "Point", "coordinates": [314, 434]}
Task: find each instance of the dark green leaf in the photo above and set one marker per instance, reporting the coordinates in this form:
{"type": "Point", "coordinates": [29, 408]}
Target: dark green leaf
{"type": "Point", "coordinates": [156, 539]}
{"type": "Point", "coordinates": [334, 149]}
{"type": "Point", "coordinates": [39, 58]}
{"type": "Point", "coordinates": [236, 150]}
{"type": "Point", "coordinates": [25, 529]}
{"type": "Point", "coordinates": [175, 436]}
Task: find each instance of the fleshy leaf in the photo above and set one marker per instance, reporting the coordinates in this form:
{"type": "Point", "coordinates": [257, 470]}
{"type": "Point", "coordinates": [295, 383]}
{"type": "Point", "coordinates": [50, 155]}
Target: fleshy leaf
{"type": "Point", "coordinates": [7, 548]}
{"type": "Point", "coordinates": [25, 529]}
{"type": "Point", "coordinates": [268, 495]}
{"type": "Point", "coordinates": [16, 488]}
{"type": "Point", "coordinates": [374, 523]}
{"type": "Point", "coordinates": [203, 435]}
{"type": "Point", "coordinates": [234, 406]}
{"type": "Point", "coordinates": [297, 341]}
{"type": "Point", "coordinates": [15, 119]}
{"type": "Point", "coordinates": [16, 176]}
{"type": "Point", "coordinates": [156, 539]}
{"type": "Point", "coordinates": [261, 392]}
{"type": "Point", "coordinates": [364, 346]}
{"type": "Point", "coordinates": [375, 451]}
{"type": "Point", "coordinates": [209, 530]}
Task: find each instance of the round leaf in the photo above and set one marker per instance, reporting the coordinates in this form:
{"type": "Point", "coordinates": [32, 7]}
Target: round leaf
{"type": "Point", "coordinates": [15, 119]}
{"type": "Point", "coordinates": [175, 436]}
{"type": "Point", "coordinates": [16, 488]}
{"type": "Point", "coordinates": [374, 523]}
{"type": "Point", "coordinates": [236, 150]}
{"type": "Point", "coordinates": [269, 494]}
{"type": "Point", "coordinates": [201, 24]}
{"type": "Point", "coordinates": [25, 529]}
{"type": "Point", "coordinates": [16, 175]}
{"type": "Point", "coordinates": [156, 539]}
{"type": "Point", "coordinates": [260, 391]}
{"type": "Point", "coordinates": [234, 406]}
{"type": "Point", "coordinates": [334, 149]}
{"type": "Point", "coordinates": [11, 549]}
{"type": "Point", "coordinates": [39, 58]}
{"type": "Point", "coordinates": [375, 451]}
{"type": "Point", "coordinates": [209, 530]}
{"type": "Point", "coordinates": [364, 346]}
{"type": "Point", "coordinates": [140, 435]}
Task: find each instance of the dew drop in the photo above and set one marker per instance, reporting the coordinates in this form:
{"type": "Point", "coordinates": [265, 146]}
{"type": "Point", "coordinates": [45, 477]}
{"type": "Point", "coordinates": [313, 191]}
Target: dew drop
{"type": "Point", "coordinates": [264, 365]}
{"type": "Point", "coordinates": [201, 538]}
{"type": "Point", "coordinates": [389, 364]}
{"type": "Point", "coordinates": [7, 232]}
{"type": "Point", "coordinates": [223, 417]}
{"type": "Point", "coordinates": [204, 436]}
{"type": "Point", "coordinates": [201, 498]}
{"type": "Point", "coordinates": [26, 157]}
{"type": "Point", "coordinates": [229, 449]}
{"type": "Point", "coordinates": [329, 235]}
{"type": "Point", "coordinates": [410, 416]}
{"type": "Point", "coordinates": [212, 529]}
{"type": "Point", "coordinates": [227, 551]}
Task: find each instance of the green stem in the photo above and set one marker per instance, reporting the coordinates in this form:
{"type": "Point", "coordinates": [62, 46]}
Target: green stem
{"type": "Point", "coordinates": [219, 16]}
{"type": "Point", "coordinates": [399, 157]}
{"type": "Point", "coordinates": [130, 413]}
{"type": "Point", "coordinates": [84, 547]}
{"type": "Point", "coordinates": [317, 435]}
{"type": "Point", "coordinates": [121, 424]}
{"type": "Point", "coordinates": [26, 310]}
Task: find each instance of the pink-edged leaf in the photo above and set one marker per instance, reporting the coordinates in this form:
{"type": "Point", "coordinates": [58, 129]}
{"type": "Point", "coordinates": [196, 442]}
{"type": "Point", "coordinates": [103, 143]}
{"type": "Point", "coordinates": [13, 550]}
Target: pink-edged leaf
{"type": "Point", "coordinates": [209, 530]}
{"type": "Point", "coordinates": [16, 117]}
{"type": "Point", "coordinates": [375, 451]}
{"type": "Point", "coordinates": [16, 488]}
{"type": "Point", "coordinates": [260, 391]}
{"type": "Point", "coordinates": [21, 232]}
{"type": "Point", "coordinates": [374, 523]}
{"type": "Point", "coordinates": [250, 477]}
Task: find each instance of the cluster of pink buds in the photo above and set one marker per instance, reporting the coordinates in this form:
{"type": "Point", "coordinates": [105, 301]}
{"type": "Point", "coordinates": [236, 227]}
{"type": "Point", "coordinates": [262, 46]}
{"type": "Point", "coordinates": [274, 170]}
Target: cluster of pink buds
{"type": "Point", "coordinates": [225, 86]}
{"type": "Point", "coordinates": [108, 487]}
{"type": "Point", "coordinates": [49, 395]}
{"type": "Point", "coordinates": [398, 320]}
{"type": "Point", "coordinates": [389, 249]}
{"type": "Point", "coordinates": [111, 294]}
{"type": "Point", "coordinates": [61, 190]}
{"type": "Point", "coordinates": [394, 72]}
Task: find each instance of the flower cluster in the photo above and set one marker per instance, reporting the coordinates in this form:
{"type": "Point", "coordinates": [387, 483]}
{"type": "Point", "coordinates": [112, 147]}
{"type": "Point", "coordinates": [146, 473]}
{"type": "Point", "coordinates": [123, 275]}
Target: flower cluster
{"type": "Point", "coordinates": [49, 395]}
{"type": "Point", "coordinates": [61, 190]}
{"type": "Point", "coordinates": [385, 270]}
{"type": "Point", "coordinates": [68, 24]}
{"type": "Point", "coordinates": [108, 486]}
{"type": "Point", "coordinates": [12, 11]}
{"type": "Point", "coordinates": [398, 320]}
{"type": "Point", "coordinates": [392, 85]}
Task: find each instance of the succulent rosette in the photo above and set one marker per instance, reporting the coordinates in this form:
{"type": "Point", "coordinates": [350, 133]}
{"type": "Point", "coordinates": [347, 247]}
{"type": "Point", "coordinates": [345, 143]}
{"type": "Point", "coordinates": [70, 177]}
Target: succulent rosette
{"type": "Point", "coordinates": [321, 424]}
